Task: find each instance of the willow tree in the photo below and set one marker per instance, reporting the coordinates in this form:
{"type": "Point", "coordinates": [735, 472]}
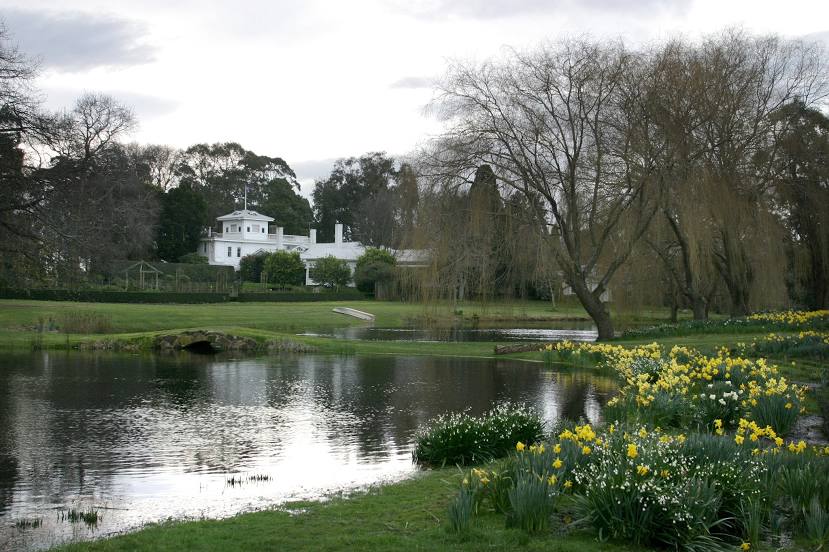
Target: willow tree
{"type": "Point", "coordinates": [747, 80]}
{"type": "Point", "coordinates": [564, 124]}
{"type": "Point", "coordinates": [682, 235]}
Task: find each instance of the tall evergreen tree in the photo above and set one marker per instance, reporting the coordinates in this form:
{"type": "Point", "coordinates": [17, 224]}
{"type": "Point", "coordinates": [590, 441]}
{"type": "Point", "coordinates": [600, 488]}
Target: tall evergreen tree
{"type": "Point", "coordinates": [183, 216]}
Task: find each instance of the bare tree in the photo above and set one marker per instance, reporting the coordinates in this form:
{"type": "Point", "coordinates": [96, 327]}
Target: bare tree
{"type": "Point", "coordinates": [565, 124]}
{"type": "Point", "coordinates": [19, 102]}
{"type": "Point", "coordinates": [160, 163]}
{"type": "Point", "coordinates": [95, 122]}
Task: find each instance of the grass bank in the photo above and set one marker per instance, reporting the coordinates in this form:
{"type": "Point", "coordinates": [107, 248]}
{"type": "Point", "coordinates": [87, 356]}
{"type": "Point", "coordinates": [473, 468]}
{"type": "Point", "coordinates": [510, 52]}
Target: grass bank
{"type": "Point", "coordinates": [26, 325]}
{"type": "Point", "coordinates": [410, 515]}
{"type": "Point", "coordinates": [20, 315]}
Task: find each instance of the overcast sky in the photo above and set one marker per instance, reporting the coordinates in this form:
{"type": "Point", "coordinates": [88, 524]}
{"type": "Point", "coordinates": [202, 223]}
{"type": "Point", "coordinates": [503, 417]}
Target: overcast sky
{"type": "Point", "coordinates": [311, 81]}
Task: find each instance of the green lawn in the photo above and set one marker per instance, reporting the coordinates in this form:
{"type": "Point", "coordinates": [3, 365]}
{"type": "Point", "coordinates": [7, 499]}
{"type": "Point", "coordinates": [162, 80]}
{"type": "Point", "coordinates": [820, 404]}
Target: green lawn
{"type": "Point", "coordinates": [139, 324]}
{"type": "Point", "coordinates": [18, 315]}
{"type": "Point", "coordinates": [406, 516]}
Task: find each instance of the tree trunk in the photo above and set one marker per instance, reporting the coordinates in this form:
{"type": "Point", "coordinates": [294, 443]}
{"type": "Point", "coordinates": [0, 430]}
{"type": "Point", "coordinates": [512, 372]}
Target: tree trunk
{"type": "Point", "coordinates": [596, 309]}
{"type": "Point", "coordinates": [604, 324]}
{"type": "Point", "coordinates": [735, 269]}
{"type": "Point", "coordinates": [819, 284]}
{"type": "Point", "coordinates": [699, 307]}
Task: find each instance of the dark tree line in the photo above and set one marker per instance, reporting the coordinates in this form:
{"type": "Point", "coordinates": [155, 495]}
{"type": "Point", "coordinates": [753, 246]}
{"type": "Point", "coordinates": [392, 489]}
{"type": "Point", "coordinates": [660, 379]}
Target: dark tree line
{"type": "Point", "coordinates": [373, 196]}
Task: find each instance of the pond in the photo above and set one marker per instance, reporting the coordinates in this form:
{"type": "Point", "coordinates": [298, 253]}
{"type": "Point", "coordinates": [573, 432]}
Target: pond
{"type": "Point", "coordinates": [145, 438]}
{"type": "Point", "coordinates": [546, 333]}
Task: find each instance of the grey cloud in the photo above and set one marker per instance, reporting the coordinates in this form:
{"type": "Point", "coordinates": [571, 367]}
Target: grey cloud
{"type": "Point", "coordinates": [821, 37]}
{"type": "Point", "coordinates": [493, 9]}
{"type": "Point", "coordinates": [313, 169]}
{"type": "Point", "coordinates": [75, 41]}
{"type": "Point", "coordinates": [145, 106]}
{"type": "Point", "coordinates": [413, 82]}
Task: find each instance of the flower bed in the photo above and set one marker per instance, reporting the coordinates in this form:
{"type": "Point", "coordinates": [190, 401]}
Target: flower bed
{"type": "Point", "coordinates": [700, 491]}
{"type": "Point", "coordinates": [682, 388]}
{"type": "Point", "coordinates": [693, 456]}
{"type": "Point", "coordinates": [760, 322]}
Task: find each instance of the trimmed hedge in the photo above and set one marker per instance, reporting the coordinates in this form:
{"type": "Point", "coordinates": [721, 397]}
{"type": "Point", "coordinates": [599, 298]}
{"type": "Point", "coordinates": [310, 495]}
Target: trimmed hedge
{"type": "Point", "coordinates": [302, 296]}
{"type": "Point", "coordinates": [92, 296]}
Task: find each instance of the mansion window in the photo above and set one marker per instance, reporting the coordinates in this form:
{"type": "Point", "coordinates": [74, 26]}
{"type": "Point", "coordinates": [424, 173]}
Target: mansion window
{"type": "Point", "coordinates": [238, 251]}
{"type": "Point", "coordinates": [229, 251]}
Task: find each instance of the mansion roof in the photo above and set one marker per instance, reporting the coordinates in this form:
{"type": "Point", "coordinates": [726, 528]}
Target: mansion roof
{"type": "Point", "coordinates": [246, 215]}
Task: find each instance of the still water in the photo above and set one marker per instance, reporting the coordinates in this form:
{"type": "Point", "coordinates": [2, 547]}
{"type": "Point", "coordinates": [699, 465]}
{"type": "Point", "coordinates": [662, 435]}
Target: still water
{"type": "Point", "coordinates": [546, 332]}
{"type": "Point", "coordinates": [146, 438]}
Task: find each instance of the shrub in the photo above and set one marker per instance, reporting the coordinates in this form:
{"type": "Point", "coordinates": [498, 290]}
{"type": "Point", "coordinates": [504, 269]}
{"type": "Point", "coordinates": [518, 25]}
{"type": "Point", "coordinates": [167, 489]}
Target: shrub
{"type": "Point", "coordinates": [193, 258]}
{"type": "Point", "coordinates": [284, 268]}
{"type": "Point", "coordinates": [464, 439]}
{"type": "Point", "coordinates": [251, 266]}
{"type": "Point", "coordinates": [331, 272]}
{"type": "Point", "coordinates": [375, 266]}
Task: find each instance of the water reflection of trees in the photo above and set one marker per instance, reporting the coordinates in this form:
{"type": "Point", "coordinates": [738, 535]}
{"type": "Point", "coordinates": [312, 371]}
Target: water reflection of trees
{"type": "Point", "coordinates": [73, 419]}
{"type": "Point", "coordinates": [78, 423]}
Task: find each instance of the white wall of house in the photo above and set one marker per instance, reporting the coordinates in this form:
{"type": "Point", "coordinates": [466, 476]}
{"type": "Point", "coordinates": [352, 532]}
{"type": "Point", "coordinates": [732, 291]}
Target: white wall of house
{"type": "Point", "coordinates": [246, 233]}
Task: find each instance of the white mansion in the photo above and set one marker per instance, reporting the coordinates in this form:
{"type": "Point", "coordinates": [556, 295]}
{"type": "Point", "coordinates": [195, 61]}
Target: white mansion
{"type": "Point", "coordinates": [246, 233]}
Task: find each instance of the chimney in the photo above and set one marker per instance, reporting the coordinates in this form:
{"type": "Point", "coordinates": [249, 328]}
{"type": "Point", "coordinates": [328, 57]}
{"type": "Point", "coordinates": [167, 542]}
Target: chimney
{"type": "Point", "coordinates": [280, 231]}
{"type": "Point", "coordinates": [312, 235]}
{"type": "Point", "coordinates": [338, 233]}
